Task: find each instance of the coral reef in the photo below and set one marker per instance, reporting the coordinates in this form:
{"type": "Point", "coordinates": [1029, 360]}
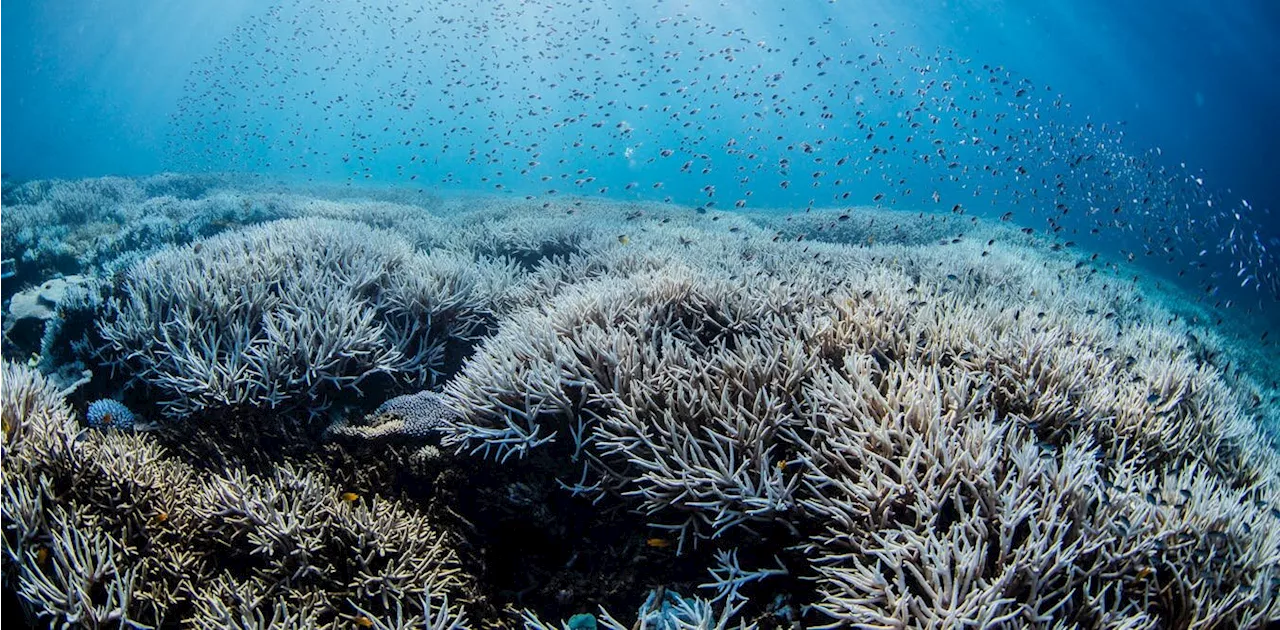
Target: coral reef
{"type": "Point", "coordinates": [941, 447]}
{"type": "Point", "coordinates": [661, 610]}
{"type": "Point", "coordinates": [295, 312]}
{"type": "Point", "coordinates": [83, 226]}
{"type": "Point", "coordinates": [708, 419]}
{"type": "Point", "coordinates": [104, 225]}
{"type": "Point", "coordinates": [34, 307]}
{"type": "Point", "coordinates": [109, 529]}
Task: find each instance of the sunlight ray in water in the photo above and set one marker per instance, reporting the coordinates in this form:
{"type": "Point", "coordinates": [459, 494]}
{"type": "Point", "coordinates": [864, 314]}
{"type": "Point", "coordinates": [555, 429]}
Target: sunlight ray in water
{"type": "Point", "coordinates": [567, 314]}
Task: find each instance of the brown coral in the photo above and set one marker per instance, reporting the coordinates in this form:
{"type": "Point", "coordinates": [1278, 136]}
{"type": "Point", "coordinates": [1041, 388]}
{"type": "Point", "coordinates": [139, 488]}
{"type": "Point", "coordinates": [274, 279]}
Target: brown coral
{"type": "Point", "coordinates": [109, 529]}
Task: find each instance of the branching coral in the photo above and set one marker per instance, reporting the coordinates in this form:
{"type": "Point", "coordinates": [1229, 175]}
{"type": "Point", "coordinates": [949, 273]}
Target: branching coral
{"type": "Point", "coordinates": [107, 529]}
{"type": "Point", "coordinates": [661, 610]}
{"type": "Point", "coordinates": [944, 448]}
{"type": "Point", "coordinates": [890, 435]}
{"type": "Point", "coordinates": [80, 226]}
{"type": "Point", "coordinates": [81, 576]}
{"type": "Point", "coordinates": [294, 312]}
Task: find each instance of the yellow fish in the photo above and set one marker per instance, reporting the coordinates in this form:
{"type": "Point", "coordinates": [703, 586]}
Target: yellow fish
{"type": "Point", "coordinates": [350, 497]}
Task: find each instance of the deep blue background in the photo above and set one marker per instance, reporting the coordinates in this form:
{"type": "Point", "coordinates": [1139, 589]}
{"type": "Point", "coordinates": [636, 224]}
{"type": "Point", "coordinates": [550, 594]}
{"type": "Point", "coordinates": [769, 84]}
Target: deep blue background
{"type": "Point", "coordinates": [88, 86]}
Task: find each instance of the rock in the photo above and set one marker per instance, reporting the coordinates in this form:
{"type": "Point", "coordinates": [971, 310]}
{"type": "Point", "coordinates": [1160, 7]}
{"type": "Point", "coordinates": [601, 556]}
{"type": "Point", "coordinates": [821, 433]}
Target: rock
{"type": "Point", "coordinates": [31, 308]}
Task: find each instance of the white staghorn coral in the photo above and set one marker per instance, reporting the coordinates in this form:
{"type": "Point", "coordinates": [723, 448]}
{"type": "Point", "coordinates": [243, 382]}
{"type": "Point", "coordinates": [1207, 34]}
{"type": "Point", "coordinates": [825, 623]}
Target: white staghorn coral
{"type": "Point", "coordinates": [80, 579]}
{"type": "Point", "coordinates": [890, 435]}
{"type": "Point", "coordinates": [294, 312]}
{"type": "Point", "coordinates": [437, 615]}
{"type": "Point", "coordinates": [949, 442]}
{"type": "Point", "coordinates": [623, 370]}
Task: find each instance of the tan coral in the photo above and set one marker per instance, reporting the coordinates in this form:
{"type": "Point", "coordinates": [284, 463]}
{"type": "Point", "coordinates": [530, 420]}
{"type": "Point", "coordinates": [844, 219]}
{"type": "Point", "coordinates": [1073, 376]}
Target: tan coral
{"type": "Point", "coordinates": [90, 511]}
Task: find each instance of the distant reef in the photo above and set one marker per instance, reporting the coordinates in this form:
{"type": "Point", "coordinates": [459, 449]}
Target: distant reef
{"type": "Point", "coordinates": [336, 408]}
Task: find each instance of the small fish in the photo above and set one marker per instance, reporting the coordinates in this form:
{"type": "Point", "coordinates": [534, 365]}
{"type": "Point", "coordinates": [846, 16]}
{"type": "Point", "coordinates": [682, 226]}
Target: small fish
{"type": "Point", "coordinates": [624, 239]}
{"type": "Point", "coordinates": [363, 621]}
{"type": "Point", "coordinates": [350, 497]}
{"type": "Point", "coordinates": [658, 543]}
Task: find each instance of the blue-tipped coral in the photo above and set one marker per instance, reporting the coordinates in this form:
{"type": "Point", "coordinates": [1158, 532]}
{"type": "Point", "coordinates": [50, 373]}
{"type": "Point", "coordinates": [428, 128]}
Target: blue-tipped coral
{"type": "Point", "coordinates": [584, 621]}
{"type": "Point", "coordinates": [662, 610]}
{"type": "Point", "coordinates": [110, 414]}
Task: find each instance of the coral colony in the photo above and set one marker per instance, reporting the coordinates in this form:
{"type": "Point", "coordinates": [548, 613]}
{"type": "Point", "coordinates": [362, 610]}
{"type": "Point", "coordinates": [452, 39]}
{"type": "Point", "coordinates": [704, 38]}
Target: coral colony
{"type": "Point", "coordinates": [109, 414]}
{"type": "Point", "coordinates": [704, 426]}
{"type": "Point", "coordinates": [665, 325]}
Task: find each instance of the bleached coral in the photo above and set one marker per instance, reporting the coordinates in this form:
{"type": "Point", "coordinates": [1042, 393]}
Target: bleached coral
{"type": "Point", "coordinates": [949, 442]}
{"type": "Point", "coordinates": [110, 530]}
{"type": "Point", "coordinates": [972, 433]}
{"type": "Point", "coordinates": [294, 312]}
{"type": "Point", "coordinates": [79, 226]}
{"type": "Point", "coordinates": [79, 579]}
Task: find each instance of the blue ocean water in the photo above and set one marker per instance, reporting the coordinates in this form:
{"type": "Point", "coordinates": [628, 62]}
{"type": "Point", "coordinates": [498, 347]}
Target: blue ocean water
{"type": "Point", "coordinates": [93, 84]}
{"type": "Point", "coordinates": [1127, 148]}
{"type": "Point", "coordinates": [527, 99]}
